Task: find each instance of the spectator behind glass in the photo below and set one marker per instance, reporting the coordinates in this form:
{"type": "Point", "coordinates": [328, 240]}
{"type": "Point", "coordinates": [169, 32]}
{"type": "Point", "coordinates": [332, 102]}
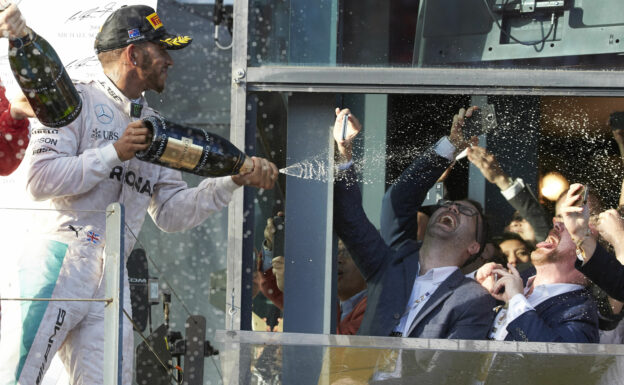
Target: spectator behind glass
{"type": "Point", "coordinates": [610, 309]}
{"type": "Point", "coordinates": [553, 306]}
{"type": "Point", "coordinates": [352, 293]}
{"type": "Point", "coordinates": [415, 289]}
{"type": "Point", "coordinates": [519, 225]}
{"type": "Point", "coordinates": [517, 251]}
{"type": "Point", "coordinates": [351, 286]}
{"type": "Point", "coordinates": [618, 135]}
{"type": "Point", "coordinates": [531, 219]}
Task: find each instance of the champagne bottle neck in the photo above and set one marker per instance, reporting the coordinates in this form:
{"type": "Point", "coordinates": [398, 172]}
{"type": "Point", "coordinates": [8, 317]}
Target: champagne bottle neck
{"type": "Point", "coordinates": [247, 166]}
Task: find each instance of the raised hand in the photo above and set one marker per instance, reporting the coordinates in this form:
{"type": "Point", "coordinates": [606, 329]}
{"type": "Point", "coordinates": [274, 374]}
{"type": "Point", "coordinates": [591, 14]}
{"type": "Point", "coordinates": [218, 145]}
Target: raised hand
{"type": "Point", "coordinates": [457, 136]}
{"type": "Point", "coordinates": [611, 228]}
{"type": "Point", "coordinates": [575, 215]}
{"type": "Point", "coordinates": [489, 167]}
{"type": "Point", "coordinates": [353, 128]}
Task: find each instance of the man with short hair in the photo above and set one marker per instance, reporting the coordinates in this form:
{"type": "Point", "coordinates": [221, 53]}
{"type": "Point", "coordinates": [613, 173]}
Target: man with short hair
{"type": "Point", "coordinates": [414, 290]}
{"type": "Point", "coordinates": [553, 306]}
{"type": "Point", "coordinates": [80, 169]}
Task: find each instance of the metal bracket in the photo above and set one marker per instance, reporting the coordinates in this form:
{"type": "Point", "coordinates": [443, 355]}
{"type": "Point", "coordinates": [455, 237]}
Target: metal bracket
{"type": "Point", "coordinates": [527, 6]}
{"type": "Point", "coordinates": [238, 76]}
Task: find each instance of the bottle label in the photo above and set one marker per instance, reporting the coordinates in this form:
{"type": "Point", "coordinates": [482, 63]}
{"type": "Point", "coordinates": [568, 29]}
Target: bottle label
{"type": "Point", "coordinates": [51, 86]}
{"type": "Point", "coordinates": [182, 153]}
{"type": "Point", "coordinates": [70, 117]}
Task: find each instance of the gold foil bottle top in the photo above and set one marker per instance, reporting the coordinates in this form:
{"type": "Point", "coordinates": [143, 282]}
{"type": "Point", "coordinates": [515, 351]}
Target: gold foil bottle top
{"type": "Point", "coordinates": [247, 166]}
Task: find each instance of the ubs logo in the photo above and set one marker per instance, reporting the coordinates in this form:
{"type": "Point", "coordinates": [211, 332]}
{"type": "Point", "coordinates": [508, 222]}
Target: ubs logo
{"type": "Point", "coordinates": [104, 114]}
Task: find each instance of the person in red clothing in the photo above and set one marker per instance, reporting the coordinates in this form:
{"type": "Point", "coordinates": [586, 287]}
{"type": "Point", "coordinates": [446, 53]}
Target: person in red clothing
{"type": "Point", "coordinates": [13, 133]}
{"type": "Point", "coordinates": [351, 285]}
{"type": "Point", "coordinates": [351, 289]}
{"type": "Point", "coordinates": [13, 123]}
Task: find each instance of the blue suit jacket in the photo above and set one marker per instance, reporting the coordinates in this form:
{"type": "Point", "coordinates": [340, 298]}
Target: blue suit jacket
{"type": "Point", "coordinates": [460, 308]}
{"type": "Point", "coordinates": [568, 317]}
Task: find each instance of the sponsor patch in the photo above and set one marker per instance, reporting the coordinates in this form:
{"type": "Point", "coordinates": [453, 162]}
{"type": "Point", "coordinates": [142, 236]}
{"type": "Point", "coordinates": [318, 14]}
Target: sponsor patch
{"type": "Point", "coordinates": [135, 110]}
{"type": "Point", "coordinates": [41, 150]}
{"type": "Point", "coordinates": [138, 184]}
{"type": "Point", "coordinates": [93, 237]}
{"type": "Point", "coordinates": [104, 134]}
{"type": "Point", "coordinates": [134, 33]}
{"type": "Point", "coordinates": [104, 113]}
{"type": "Point", "coordinates": [47, 131]}
{"type": "Point", "coordinates": [154, 20]}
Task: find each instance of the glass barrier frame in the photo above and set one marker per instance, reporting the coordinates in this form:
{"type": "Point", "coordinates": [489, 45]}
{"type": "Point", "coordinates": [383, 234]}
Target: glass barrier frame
{"type": "Point", "coordinates": [359, 357]}
{"type": "Point", "coordinates": [316, 80]}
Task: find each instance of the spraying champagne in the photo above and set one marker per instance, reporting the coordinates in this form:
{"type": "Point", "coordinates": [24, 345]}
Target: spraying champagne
{"type": "Point", "coordinates": [192, 150]}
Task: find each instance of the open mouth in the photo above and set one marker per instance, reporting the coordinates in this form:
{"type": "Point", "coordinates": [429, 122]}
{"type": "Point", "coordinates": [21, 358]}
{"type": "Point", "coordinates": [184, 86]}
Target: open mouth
{"type": "Point", "coordinates": [448, 220]}
{"type": "Point", "coordinates": [549, 243]}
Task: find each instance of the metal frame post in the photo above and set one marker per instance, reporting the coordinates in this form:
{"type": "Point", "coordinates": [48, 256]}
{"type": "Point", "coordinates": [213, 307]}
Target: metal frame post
{"type": "Point", "coordinates": [114, 280]}
{"type": "Point", "coordinates": [236, 209]}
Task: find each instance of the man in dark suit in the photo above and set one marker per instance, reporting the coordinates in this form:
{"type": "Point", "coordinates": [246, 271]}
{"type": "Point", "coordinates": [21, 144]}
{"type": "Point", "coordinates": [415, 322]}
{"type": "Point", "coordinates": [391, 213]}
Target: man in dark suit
{"type": "Point", "coordinates": [519, 196]}
{"type": "Point", "coordinates": [415, 290]}
{"type": "Point", "coordinates": [593, 260]}
{"type": "Point", "coordinates": [554, 305]}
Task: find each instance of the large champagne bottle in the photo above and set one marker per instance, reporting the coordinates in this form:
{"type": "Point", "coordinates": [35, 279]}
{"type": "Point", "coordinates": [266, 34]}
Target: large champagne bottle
{"type": "Point", "coordinates": [192, 150]}
{"type": "Point", "coordinates": [43, 79]}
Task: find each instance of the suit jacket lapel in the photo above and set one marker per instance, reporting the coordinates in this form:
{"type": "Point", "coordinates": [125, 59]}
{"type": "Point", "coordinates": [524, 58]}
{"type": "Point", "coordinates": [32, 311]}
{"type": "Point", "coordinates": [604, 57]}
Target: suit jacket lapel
{"type": "Point", "coordinates": [440, 295]}
{"type": "Point", "coordinates": [410, 271]}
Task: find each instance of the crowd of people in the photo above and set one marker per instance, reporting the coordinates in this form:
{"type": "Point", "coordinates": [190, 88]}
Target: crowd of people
{"type": "Point", "coordinates": [444, 280]}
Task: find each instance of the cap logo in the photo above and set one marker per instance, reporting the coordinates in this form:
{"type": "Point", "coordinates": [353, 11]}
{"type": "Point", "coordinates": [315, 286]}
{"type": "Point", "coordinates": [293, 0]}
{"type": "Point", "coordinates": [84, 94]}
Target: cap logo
{"type": "Point", "coordinates": [177, 41]}
{"type": "Point", "coordinates": [154, 20]}
{"type": "Point", "coordinates": [134, 33]}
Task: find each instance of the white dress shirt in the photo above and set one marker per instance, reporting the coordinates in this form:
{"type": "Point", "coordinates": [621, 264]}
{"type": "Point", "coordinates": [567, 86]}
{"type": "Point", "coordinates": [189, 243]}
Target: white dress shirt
{"type": "Point", "coordinates": [424, 287]}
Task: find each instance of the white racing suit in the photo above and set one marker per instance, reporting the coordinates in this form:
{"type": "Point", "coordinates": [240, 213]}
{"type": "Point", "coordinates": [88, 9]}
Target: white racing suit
{"type": "Point", "coordinates": [76, 169]}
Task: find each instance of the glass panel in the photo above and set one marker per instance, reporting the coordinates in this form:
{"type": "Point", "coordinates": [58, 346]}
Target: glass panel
{"type": "Point", "coordinates": [530, 137]}
{"type": "Point", "coordinates": [266, 116]}
{"type": "Point", "coordinates": [440, 33]}
{"type": "Point", "coordinates": [263, 358]}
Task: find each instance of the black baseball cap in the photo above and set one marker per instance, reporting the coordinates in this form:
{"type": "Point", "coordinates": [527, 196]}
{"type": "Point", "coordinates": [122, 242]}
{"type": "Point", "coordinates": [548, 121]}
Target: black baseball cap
{"type": "Point", "coordinates": [134, 24]}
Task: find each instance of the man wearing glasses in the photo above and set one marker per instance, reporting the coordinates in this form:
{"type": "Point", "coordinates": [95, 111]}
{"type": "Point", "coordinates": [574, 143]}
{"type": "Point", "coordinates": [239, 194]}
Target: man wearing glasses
{"type": "Point", "coordinates": [414, 289]}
